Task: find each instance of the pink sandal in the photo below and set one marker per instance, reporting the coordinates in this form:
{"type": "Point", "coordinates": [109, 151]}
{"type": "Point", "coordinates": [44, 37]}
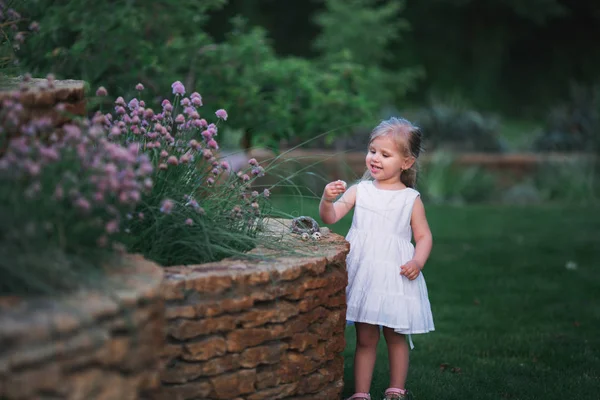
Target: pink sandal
{"type": "Point", "coordinates": [360, 396]}
{"type": "Point", "coordinates": [395, 394]}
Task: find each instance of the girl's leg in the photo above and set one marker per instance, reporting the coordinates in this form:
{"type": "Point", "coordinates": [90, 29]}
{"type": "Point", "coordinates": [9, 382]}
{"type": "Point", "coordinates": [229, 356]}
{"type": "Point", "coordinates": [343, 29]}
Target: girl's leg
{"type": "Point", "coordinates": [398, 356]}
{"type": "Point", "coordinates": [367, 336]}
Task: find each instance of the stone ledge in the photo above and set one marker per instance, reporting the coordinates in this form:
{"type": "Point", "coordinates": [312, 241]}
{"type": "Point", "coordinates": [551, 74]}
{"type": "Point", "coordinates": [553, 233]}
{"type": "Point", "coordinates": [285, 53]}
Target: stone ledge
{"type": "Point", "coordinates": [264, 329]}
{"type": "Point", "coordinates": [92, 344]}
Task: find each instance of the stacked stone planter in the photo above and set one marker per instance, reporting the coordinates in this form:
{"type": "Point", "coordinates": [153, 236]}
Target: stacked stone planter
{"type": "Point", "coordinates": [258, 330]}
{"type": "Point", "coordinates": [40, 100]}
{"type": "Point", "coordinates": [93, 344]}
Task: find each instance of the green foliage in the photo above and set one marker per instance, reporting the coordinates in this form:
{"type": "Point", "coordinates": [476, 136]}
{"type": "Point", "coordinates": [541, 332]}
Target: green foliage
{"type": "Point", "coordinates": [274, 98]}
{"type": "Point", "coordinates": [115, 43]}
{"type": "Point", "coordinates": [363, 28]}
{"type": "Point", "coordinates": [361, 33]}
{"type": "Point", "coordinates": [538, 11]}
{"type": "Point", "coordinates": [572, 181]}
{"type": "Point", "coordinates": [458, 129]}
{"type": "Point", "coordinates": [575, 124]}
{"type": "Point", "coordinates": [442, 182]}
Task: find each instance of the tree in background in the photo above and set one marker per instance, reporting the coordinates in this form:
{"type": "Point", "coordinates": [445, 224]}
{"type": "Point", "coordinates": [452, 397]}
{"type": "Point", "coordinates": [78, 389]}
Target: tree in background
{"type": "Point", "coordinates": [362, 32]}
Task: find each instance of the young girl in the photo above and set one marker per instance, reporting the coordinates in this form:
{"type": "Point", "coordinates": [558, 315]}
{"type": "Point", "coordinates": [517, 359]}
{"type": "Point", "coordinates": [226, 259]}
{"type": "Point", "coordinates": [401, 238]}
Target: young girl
{"type": "Point", "coordinates": [385, 284]}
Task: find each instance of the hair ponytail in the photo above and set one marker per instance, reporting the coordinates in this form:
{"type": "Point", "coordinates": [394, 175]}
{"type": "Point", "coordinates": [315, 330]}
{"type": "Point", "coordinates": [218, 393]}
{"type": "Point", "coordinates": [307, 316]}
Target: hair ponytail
{"type": "Point", "coordinates": [409, 176]}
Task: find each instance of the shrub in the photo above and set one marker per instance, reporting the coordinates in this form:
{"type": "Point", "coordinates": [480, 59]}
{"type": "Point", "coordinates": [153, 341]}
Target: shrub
{"type": "Point", "coordinates": [458, 129]}
{"type": "Point", "coordinates": [198, 209]}
{"type": "Point", "coordinates": [442, 182]}
{"type": "Point", "coordinates": [62, 201]}
{"type": "Point", "coordinates": [575, 124]}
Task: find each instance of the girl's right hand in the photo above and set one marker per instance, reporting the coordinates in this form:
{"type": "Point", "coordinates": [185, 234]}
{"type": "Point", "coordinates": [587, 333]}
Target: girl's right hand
{"type": "Point", "coordinates": [333, 190]}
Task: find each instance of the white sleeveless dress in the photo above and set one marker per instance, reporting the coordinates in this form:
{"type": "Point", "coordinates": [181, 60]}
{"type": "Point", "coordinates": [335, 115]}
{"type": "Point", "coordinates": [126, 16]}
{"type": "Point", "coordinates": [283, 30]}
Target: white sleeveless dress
{"type": "Point", "coordinates": [380, 242]}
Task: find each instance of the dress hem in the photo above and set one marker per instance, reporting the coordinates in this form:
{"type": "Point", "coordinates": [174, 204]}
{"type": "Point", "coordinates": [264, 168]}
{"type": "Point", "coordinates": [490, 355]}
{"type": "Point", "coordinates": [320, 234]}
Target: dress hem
{"type": "Point", "coordinates": [399, 330]}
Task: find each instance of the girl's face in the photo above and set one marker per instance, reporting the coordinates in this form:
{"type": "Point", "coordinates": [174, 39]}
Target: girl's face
{"type": "Point", "coordinates": [385, 161]}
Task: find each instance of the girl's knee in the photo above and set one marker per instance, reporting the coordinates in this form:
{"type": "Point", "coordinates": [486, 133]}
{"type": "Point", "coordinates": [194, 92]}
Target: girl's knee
{"type": "Point", "coordinates": [367, 335]}
{"type": "Point", "coordinates": [393, 337]}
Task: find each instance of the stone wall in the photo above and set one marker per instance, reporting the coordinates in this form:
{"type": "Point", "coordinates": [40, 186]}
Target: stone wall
{"type": "Point", "coordinates": [86, 346]}
{"type": "Point", "coordinates": [271, 329]}
{"type": "Point", "coordinates": [41, 100]}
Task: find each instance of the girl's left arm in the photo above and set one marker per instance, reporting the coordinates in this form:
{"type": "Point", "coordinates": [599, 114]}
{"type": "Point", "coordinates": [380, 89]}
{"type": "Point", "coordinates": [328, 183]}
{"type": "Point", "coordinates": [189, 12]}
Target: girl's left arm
{"type": "Point", "coordinates": [421, 233]}
{"type": "Point", "coordinates": [423, 241]}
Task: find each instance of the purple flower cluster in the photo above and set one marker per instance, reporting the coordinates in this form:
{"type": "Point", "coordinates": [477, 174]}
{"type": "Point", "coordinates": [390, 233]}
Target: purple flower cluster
{"type": "Point", "coordinates": [76, 167]}
{"type": "Point", "coordinates": [179, 142]}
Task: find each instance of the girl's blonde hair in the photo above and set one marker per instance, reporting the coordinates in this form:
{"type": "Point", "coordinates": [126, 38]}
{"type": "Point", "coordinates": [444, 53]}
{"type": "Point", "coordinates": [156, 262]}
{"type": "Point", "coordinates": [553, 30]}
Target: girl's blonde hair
{"type": "Point", "coordinates": [408, 138]}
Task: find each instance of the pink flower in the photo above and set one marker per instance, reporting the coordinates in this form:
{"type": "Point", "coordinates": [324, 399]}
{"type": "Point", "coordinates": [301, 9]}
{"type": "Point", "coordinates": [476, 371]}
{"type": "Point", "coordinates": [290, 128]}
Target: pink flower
{"type": "Point", "coordinates": [112, 226]}
{"type": "Point", "coordinates": [134, 196]}
{"type": "Point", "coordinates": [83, 204]}
{"type": "Point", "coordinates": [148, 113]}
{"type": "Point", "coordinates": [225, 165]}
{"type": "Point", "coordinates": [33, 168]}
{"type": "Point", "coordinates": [49, 153]}
{"type": "Point", "coordinates": [59, 193]}
{"type": "Point", "coordinates": [212, 143]}
{"type": "Point", "coordinates": [258, 171]}
{"type": "Point", "coordinates": [194, 144]}
{"type": "Point", "coordinates": [178, 88]}
{"type": "Point", "coordinates": [185, 158]}
{"type": "Point", "coordinates": [180, 119]}
{"type": "Point", "coordinates": [253, 162]}
{"type": "Point", "coordinates": [34, 27]}
{"type": "Point", "coordinates": [266, 192]}
{"type": "Point", "coordinates": [189, 222]}
{"type": "Point", "coordinates": [210, 181]}
{"type": "Point", "coordinates": [222, 114]}
{"type": "Point", "coordinates": [172, 160]}
{"type": "Point", "coordinates": [139, 87]}
{"type": "Point", "coordinates": [148, 183]}
{"type": "Point", "coordinates": [162, 166]}
{"type": "Point", "coordinates": [164, 154]}
{"type": "Point", "coordinates": [197, 101]}
{"type": "Point", "coordinates": [185, 102]}
{"type": "Point", "coordinates": [167, 206]}
{"type": "Point", "coordinates": [101, 92]}
{"type": "Point", "coordinates": [133, 104]}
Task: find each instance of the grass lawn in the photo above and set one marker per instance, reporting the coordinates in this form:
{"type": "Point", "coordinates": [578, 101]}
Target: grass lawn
{"type": "Point", "coordinates": [512, 320]}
